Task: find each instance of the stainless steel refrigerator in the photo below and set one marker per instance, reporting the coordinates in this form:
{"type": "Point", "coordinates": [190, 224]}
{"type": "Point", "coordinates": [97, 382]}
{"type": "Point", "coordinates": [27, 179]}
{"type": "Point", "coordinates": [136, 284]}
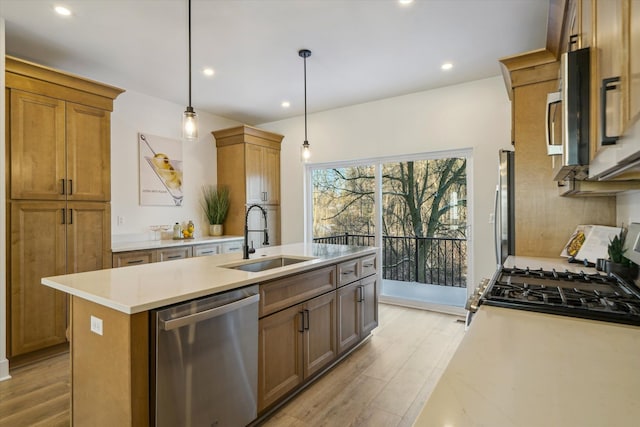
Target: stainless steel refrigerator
{"type": "Point", "coordinates": [504, 214]}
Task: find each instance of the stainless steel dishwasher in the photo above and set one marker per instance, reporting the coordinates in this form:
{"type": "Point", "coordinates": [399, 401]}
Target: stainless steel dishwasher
{"type": "Point", "coordinates": [205, 364]}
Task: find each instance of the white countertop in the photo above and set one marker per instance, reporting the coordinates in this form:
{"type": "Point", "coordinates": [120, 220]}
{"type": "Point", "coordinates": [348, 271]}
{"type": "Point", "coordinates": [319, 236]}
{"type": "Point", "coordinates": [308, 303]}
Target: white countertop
{"type": "Point", "coordinates": [525, 369]}
{"type": "Point", "coordinates": [144, 287]}
{"type": "Point", "coordinates": [155, 244]}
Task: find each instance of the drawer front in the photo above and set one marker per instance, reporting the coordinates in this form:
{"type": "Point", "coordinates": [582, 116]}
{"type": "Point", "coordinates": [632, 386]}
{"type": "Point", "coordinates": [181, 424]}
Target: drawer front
{"type": "Point", "coordinates": [282, 293]}
{"type": "Point", "coordinates": [231, 247]}
{"type": "Point", "coordinates": [368, 265]}
{"type": "Point", "coordinates": [173, 254]}
{"type": "Point", "coordinates": [206, 250]}
{"type": "Point", "coordinates": [348, 272]}
{"type": "Point", "coordinates": [123, 259]}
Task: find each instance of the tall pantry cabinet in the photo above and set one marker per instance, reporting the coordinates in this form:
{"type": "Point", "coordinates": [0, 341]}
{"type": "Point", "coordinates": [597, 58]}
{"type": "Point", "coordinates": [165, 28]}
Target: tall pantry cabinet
{"type": "Point", "coordinates": [249, 165]}
{"type": "Point", "coordinates": [59, 189]}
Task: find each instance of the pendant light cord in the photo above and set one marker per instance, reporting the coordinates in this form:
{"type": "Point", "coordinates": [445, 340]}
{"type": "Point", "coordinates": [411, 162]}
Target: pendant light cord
{"type": "Point", "coordinates": [189, 53]}
{"type": "Point", "coordinates": [305, 99]}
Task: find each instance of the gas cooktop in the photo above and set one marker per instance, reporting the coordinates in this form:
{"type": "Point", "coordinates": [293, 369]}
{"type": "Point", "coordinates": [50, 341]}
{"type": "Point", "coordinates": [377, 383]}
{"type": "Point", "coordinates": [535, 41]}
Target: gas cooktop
{"type": "Point", "coordinates": [586, 295]}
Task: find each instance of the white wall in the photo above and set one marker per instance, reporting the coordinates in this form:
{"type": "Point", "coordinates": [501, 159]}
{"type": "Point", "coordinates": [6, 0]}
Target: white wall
{"type": "Point", "coordinates": [472, 115]}
{"type": "Point", "coordinates": [628, 208]}
{"type": "Point", "coordinates": [133, 113]}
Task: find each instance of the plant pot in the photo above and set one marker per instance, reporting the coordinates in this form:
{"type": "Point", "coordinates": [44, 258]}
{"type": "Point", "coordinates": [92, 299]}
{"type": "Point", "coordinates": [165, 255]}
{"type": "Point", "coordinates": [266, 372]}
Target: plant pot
{"type": "Point", "coordinates": [626, 272]}
{"type": "Point", "coordinates": [215, 229]}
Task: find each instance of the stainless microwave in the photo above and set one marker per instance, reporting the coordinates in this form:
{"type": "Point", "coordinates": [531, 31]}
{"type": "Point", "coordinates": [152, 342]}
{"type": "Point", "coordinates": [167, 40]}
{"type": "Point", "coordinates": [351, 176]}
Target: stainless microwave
{"type": "Point", "coordinates": [567, 118]}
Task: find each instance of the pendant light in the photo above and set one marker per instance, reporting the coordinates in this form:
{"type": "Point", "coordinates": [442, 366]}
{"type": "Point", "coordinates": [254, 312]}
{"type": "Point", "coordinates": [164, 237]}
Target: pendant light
{"type": "Point", "coordinates": [306, 149]}
{"type": "Point", "coordinates": [189, 118]}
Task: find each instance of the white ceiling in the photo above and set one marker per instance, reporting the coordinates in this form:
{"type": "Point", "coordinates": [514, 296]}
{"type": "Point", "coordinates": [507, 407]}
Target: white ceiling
{"type": "Point", "coordinates": [362, 50]}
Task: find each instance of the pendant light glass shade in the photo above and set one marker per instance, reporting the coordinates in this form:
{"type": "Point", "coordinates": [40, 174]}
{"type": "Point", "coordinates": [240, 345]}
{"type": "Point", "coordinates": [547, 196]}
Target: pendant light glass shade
{"type": "Point", "coordinates": [305, 151]}
{"type": "Point", "coordinates": [189, 117]}
{"type": "Point", "coordinates": [190, 125]}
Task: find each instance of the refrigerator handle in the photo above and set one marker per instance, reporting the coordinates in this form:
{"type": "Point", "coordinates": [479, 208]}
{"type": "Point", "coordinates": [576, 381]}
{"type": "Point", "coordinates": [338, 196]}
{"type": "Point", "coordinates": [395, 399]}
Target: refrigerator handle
{"type": "Point", "coordinates": [496, 229]}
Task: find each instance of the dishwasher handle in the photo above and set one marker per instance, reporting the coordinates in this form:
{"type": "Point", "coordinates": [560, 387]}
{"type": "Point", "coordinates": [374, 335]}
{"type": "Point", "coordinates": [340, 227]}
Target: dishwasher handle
{"type": "Point", "coordinates": [168, 325]}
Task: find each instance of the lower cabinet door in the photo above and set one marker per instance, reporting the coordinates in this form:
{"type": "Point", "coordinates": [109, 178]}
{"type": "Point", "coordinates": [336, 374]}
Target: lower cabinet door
{"type": "Point", "coordinates": [280, 353]}
{"type": "Point", "coordinates": [38, 249]}
{"type": "Point", "coordinates": [349, 323]}
{"type": "Point", "coordinates": [319, 320]}
{"type": "Point", "coordinates": [369, 305]}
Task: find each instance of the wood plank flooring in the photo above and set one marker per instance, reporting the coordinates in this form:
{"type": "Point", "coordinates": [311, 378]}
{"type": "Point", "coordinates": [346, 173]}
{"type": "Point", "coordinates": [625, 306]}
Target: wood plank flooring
{"type": "Point", "coordinates": [383, 383]}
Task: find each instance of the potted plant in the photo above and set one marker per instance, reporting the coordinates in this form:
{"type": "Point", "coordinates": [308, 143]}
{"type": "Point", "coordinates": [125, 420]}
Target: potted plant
{"type": "Point", "coordinates": [617, 262]}
{"type": "Point", "coordinates": [215, 203]}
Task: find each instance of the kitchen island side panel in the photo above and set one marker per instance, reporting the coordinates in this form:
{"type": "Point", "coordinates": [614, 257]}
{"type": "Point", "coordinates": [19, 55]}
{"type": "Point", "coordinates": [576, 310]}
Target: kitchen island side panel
{"type": "Point", "coordinates": [109, 372]}
{"type": "Point", "coordinates": [544, 219]}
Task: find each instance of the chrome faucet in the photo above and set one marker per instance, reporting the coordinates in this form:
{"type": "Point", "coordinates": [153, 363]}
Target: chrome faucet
{"type": "Point", "coordinates": [245, 247]}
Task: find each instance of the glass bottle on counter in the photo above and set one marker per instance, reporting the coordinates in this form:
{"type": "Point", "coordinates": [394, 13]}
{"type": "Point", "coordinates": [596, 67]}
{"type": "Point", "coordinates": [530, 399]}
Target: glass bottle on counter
{"type": "Point", "coordinates": [177, 231]}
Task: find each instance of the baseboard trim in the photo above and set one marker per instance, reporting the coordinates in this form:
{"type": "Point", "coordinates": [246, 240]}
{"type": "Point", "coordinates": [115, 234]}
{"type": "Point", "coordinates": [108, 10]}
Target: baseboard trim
{"type": "Point", "coordinates": [4, 370]}
{"type": "Point", "coordinates": [405, 302]}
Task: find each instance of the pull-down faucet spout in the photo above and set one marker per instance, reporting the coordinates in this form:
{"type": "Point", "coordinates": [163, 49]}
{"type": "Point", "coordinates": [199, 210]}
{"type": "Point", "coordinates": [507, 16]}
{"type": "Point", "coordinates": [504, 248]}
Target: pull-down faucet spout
{"type": "Point", "coordinates": [245, 247]}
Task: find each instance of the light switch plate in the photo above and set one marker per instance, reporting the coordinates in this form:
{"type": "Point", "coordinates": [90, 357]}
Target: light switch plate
{"type": "Point", "coordinates": [96, 325]}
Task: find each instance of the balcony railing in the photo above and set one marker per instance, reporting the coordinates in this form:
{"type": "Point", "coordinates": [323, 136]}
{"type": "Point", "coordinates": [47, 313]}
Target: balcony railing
{"type": "Point", "coordinates": [433, 260]}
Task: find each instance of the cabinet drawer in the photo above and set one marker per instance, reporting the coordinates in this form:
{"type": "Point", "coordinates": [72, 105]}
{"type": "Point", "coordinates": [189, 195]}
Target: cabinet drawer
{"type": "Point", "coordinates": [174, 253]}
{"type": "Point", "coordinates": [282, 293]}
{"type": "Point", "coordinates": [348, 271]}
{"type": "Point", "coordinates": [231, 247]}
{"type": "Point", "coordinates": [122, 259]}
{"type": "Point", "coordinates": [206, 250]}
{"type": "Point", "coordinates": [368, 265]}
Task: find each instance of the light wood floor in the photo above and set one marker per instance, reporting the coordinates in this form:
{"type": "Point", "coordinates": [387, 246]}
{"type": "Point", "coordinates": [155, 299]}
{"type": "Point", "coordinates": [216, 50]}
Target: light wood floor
{"type": "Point", "coordinates": [383, 383]}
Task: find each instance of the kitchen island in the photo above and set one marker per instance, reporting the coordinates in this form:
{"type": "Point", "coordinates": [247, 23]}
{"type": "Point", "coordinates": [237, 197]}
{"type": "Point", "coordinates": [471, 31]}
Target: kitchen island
{"type": "Point", "coordinates": [528, 369]}
{"type": "Point", "coordinates": [110, 321]}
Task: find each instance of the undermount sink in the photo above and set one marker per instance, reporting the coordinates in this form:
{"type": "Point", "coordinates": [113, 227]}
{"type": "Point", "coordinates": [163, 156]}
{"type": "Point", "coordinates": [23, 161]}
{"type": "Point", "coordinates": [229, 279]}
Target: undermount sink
{"type": "Point", "coordinates": [258, 265]}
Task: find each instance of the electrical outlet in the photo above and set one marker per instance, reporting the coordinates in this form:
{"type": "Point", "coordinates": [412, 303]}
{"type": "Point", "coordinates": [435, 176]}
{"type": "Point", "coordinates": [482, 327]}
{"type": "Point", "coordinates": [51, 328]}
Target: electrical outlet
{"type": "Point", "coordinates": [492, 218]}
{"type": "Point", "coordinates": [120, 220]}
{"type": "Point", "coordinates": [96, 325]}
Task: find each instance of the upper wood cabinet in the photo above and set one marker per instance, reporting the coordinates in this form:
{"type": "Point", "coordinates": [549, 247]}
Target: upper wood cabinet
{"type": "Point", "coordinates": [59, 134]}
{"type": "Point", "coordinates": [615, 89]}
{"type": "Point", "coordinates": [249, 164]}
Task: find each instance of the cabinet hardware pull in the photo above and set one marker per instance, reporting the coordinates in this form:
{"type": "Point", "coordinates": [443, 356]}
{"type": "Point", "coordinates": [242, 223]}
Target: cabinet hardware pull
{"type": "Point", "coordinates": [206, 252]}
{"type": "Point", "coordinates": [301, 322]}
{"type": "Point", "coordinates": [174, 256]}
{"type": "Point", "coordinates": [135, 261]}
{"type": "Point", "coordinates": [607, 85]}
{"type": "Point", "coordinates": [360, 294]}
{"type": "Point", "coordinates": [64, 216]}
{"type": "Point", "coordinates": [348, 272]}
{"type": "Point", "coordinates": [70, 187]}
{"type": "Point", "coordinates": [62, 187]}
{"type": "Point", "coordinates": [306, 315]}
{"type": "Point", "coordinates": [367, 265]}
{"type": "Point", "coordinates": [70, 216]}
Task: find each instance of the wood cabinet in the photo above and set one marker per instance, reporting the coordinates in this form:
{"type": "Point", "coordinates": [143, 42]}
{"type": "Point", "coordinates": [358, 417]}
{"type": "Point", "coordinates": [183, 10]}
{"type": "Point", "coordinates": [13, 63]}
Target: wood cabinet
{"type": "Point", "coordinates": [123, 259]}
{"type": "Point", "coordinates": [59, 150]}
{"type": "Point", "coordinates": [306, 324]}
{"type": "Point", "coordinates": [58, 170]}
{"type": "Point", "coordinates": [146, 256]}
{"type": "Point", "coordinates": [357, 304]}
{"type": "Point", "coordinates": [49, 239]}
{"type": "Point", "coordinates": [295, 344]}
{"type": "Point", "coordinates": [248, 162]}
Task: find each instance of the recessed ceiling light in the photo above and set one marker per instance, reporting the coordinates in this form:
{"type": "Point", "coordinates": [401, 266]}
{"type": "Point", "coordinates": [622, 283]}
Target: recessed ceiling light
{"type": "Point", "coordinates": [447, 66]}
{"type": "Point", "coordinates": [286, 104]}
{"type": "Point", "coordinates": [208, 72]}
{"type": "Point", "coordinates": [405, 2]}
{"type": "Point", "coordinates": [61, 10]}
